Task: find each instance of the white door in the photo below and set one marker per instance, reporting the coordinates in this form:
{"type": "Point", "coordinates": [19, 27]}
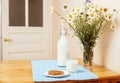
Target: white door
{"type": "Point", "coordinates": [25, 29]}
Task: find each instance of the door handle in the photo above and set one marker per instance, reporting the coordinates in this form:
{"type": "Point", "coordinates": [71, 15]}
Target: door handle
{"type": "Point", "coordinates": [8, 40]}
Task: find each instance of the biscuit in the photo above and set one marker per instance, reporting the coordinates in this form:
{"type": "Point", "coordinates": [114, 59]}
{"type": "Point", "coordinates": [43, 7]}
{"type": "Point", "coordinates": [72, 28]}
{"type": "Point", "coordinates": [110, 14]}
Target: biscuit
{"type": "Point", "coordinates": [55, 72]}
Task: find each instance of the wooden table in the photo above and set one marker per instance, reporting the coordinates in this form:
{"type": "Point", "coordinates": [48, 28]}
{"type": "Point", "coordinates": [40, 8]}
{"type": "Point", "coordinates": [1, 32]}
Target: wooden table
{"type": "Point", "coordinates": [21, 72]}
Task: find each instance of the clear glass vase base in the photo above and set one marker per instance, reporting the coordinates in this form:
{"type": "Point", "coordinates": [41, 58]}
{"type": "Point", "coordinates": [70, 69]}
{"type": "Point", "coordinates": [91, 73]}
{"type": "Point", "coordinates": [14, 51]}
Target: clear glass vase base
{"type": "Point", "coordinates": [88, 67]}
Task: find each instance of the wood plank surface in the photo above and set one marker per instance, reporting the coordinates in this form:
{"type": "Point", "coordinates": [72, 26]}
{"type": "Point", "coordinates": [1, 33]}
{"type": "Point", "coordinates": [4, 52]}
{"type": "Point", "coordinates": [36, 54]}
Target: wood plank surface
{"type": "Point", "coordinates": [101, 71]}
{"type": "Point", "coordinates": [15, 72]}
{"type": "Point", "coordinates": [20, 71]}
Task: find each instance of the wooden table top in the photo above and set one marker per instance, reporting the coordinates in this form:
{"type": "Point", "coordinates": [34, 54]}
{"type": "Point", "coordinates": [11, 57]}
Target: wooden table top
{"type": "Point", "coordinates": [20, 71]}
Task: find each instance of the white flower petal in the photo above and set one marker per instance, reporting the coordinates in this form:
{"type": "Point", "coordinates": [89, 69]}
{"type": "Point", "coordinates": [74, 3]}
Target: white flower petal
{"type": "Point", "coordinates": [51, 10]}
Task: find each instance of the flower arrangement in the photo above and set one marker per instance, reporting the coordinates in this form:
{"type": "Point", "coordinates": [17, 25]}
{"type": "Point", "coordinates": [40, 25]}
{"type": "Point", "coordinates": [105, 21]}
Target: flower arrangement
{"type": "Point", "coordinates": [88, 22]}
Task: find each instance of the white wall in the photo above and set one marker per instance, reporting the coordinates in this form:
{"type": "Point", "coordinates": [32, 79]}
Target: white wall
{"type": "Point", "coordinates": [75, 50]}
{"type": "Point", "coordinates": [107, 50]}
{"type": "Point", "coordinates": [0, 34]}
{"type": "Point", "coordinates": [55, 27]}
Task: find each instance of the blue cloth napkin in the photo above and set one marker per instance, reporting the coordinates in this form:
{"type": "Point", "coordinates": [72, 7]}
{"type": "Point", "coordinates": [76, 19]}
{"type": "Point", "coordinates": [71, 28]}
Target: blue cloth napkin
{"type": "Point", "coordinates": [41, 66]}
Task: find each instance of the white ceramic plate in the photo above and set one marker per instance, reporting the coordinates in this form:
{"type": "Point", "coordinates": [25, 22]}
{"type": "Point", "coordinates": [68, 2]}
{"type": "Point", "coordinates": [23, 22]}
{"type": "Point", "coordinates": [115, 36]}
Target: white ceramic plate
{"type": "Point", "coordinates": [65, 74]}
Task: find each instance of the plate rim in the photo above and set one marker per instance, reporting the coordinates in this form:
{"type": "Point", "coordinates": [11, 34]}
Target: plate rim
{"type": "Point", "coordinates": [65, 73]}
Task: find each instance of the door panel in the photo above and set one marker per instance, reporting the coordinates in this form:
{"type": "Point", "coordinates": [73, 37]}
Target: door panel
{"type": "Point", "coordinates": [25, 42]}
{"type": "Point", "coordinates": [35, 13]}
{"type": "Point", "coordinates": [26, 38]}
{"type": "Point", "coordinates": [16, 11]}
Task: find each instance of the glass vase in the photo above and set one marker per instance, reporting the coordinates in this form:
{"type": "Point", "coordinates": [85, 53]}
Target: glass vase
{"type": "Point", "coordinates": [88, 57]}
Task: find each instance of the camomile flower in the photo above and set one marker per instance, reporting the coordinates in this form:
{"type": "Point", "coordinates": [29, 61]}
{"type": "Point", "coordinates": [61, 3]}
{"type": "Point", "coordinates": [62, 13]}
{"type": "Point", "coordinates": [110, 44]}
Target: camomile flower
{"type": "Point", "coordinates": [65, 7]}
{"type": "Point", "coordinates": [88, 4]}
{"type": "Point", "coordinates": [75, 14]}
{"type": "Point", "coordinates": [91, 10]}
{"type": "Point", "coordinates": [51, 10]}
{"type": "Point", "coordinates": [92, 15]}
{"type": "Point", "coordinates": [97, 17]}
{"type": "Point", "coordinates": [70, 16]}
{"type": "Point", "coordinates": [91, 5]}
{"type": "Point", "coordinates": [73, 9]}
{"type": "Point", "coordinates": [108, 17]}
{"type": "Point", "coordinates": [70, 20]}
{"type": "Point", "coordinates": [104, 10]}
{"type": "Point", "coordinates": [97, 11]}
{"type": "Point", "coordinates": [112, 27]}
{"type": "Point", "coordinates": [89, 22]}
{"type": "Point", "coordinates": [77, 9]}
{"type": "Point", "coordinates": [73, 25]}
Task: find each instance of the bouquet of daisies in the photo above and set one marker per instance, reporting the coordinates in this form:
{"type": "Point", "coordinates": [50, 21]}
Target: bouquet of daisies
{"type": "Point", "coordinates": [88, 22]}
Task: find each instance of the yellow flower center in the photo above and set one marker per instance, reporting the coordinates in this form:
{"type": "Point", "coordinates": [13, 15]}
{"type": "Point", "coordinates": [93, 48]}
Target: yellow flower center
{"type": "Point", "coordinates": [70, 16]}
{"type": "Point", "coordinates": [105, 9]}
{"type": "Point", "coordinates": [72, 25]}
{"type": "Point", "coordinates": [65, 7]}
{"type": "Point", "coordinates": [110, 17]}
{"type": "Point", "coordinates": [101, 9]}
{"type": "Point", "coordinates": [97, 11]}
{"type": "Point", "coordinates": [92, 6]}
{"type": "Point", "coordinates": [75, 14]}
{"type": "Point", "coordinates": [78, 10]}
{"type": "Point", "coordinates": [92, 15]}
{"type": "Point", "coordinates": [69, 20]}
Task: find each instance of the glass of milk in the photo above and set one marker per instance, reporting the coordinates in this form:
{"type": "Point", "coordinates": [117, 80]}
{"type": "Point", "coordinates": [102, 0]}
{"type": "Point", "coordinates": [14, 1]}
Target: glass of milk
{"type": "Point", "coordinates": [72, 66]}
